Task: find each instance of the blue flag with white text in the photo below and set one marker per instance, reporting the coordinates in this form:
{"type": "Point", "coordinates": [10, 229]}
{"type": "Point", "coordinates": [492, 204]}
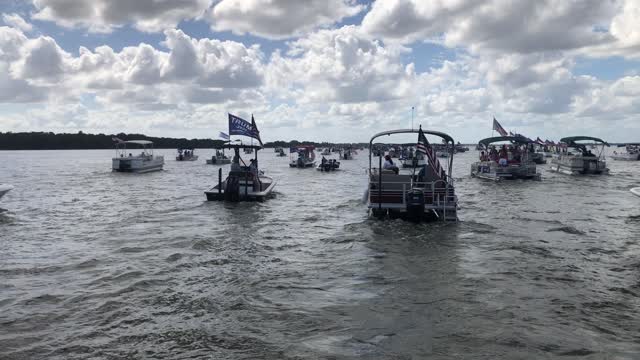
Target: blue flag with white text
{"type": "Point", "coordinates": [240, 126]}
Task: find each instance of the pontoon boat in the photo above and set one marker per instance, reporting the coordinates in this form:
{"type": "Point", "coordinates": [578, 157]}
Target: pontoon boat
{"type": "Point", "coordinates": [420, 193]}
{"type": "Point", "coordinates": [245, 182]}
{"type": "Point", "coordinates": [510, 161]}
{"type": "Point", "coordinates": [280, 152]}
{"type": "Point", "coordinates": [186, 155]}
{"type": "Point", "coordinates": [632, 153]}
{"type": "Point", "coordinates": [345, 154]}
{"type": "Point", "coordinates": [584, 162]}
{"type": "Point", "coordinates": [305, 156]}
{"type": "Point", "coordinates": [143, 162]}
{"type": "Point", "coordinates": [219, 158]}
{"type": "Point", "coordinates": [413, 160]}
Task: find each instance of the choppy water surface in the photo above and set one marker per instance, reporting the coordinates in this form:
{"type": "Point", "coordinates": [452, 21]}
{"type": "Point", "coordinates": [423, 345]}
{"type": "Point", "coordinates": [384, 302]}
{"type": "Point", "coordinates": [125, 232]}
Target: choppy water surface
{"type": "Point", "coordinates": [95, 264]}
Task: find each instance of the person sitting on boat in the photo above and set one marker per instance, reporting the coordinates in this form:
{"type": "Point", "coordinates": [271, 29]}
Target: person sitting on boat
{"type": "Point", "coordinates": [389, 165]}
{"type": "Point", "coordinates": [590, 154]}
{"type": "Point", "coordinates": [484, 156]}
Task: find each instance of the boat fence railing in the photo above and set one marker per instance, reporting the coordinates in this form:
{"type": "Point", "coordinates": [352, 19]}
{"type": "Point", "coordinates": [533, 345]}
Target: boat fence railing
{"type": "Point", "coordinates": [440, 191]}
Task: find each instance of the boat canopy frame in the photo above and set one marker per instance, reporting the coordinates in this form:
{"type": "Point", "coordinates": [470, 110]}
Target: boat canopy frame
{"type": "Point", "coordinates": [449, 142]}
{"type": "Point", "coordinates": [572, 141]}
{"type": "Point", "coordinates": [121, 147]}
{"type": "Point", "coordinates": [520, 140]}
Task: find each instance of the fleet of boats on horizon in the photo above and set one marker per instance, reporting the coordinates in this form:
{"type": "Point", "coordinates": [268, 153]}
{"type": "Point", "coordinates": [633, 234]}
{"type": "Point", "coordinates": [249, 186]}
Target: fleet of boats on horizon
{"type": "Point", "coordinates": [418, 187]}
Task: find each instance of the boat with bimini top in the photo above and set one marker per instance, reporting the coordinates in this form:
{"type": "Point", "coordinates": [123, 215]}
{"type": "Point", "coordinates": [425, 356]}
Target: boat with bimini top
{"type": "Point", "coordinates": [219, 158]}
{"type": "Point", "coordinates": [419, 193]}
{"type": "Point", "coordinates": [143, 162]}
{"type": "Point", "coordinates": [584, 161]}
{"type": "Point", "coordinates": [512, 160]}
{"type": "Point", "coordinates": [186, 155]}
{"type": "Point", "coordinates": [244, 182]}
{"type": "Point", "coordinates": [632, 153]}
{"type": "Point", "coordinates": [302, 156]}
{"type": "Point", "coordinates": [280, 152]}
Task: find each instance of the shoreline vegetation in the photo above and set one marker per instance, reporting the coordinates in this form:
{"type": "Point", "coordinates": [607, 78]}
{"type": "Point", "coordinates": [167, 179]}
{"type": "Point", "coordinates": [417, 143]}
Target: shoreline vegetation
{"type": "Point", "coordinates": [83, 141]}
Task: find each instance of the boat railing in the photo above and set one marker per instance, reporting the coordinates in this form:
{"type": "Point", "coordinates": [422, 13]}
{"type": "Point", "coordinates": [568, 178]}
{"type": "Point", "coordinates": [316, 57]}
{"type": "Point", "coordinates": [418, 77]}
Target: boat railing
{"type": "Point", "coordinates": [439, 194]}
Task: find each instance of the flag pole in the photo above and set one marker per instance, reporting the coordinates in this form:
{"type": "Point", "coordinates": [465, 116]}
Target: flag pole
{"type": "Point", "coordinates": [412, 117]}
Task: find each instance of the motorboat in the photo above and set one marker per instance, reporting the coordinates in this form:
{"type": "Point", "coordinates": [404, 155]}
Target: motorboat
{"type": "Point", "coordinates": [4, 188]}
{"type": "Point", "coordinates": [417, 193]}
{"type": "Point", "coordinates": [538, 158]}
{"type": "Point", "coordinates": [635, 191]}
{"type": "Point", "coordinates": [442, 154]}
{"type": "Point", "coordinates": [511, 161]}
{"type": "Point", "coordinates": [328, 165]}
{"type": "Point", "coordinates": [143, 162]}
{"type": "Point", "coordinates": [461, 148]}
{"type": "Point", "coordinates": [244, 182]}
{"type": "Point", "coordinates": [219, 158]}
{"type": "Point", "coordinates": [346, 154]}
{"type": "Point", "coordinates": [302, 156]}
{"type": "Point", "coordinates": [186, 155]}
{"type": "Point", "coordinates": [280, 152]}
{"type": "Point", "coordinates": [583, 161]}
{"type": "Point", "coordinates": [632, 153]}
{"type": "Point", "coordinates": [248, 151]}
{"type": "Point", "coordinates": [413, 160]}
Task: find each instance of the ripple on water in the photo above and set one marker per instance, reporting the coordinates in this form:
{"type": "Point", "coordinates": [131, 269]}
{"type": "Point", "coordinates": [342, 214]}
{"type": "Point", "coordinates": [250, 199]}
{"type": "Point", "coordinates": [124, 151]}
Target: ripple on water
{"type": "Point", "coordinates": [98, 265]}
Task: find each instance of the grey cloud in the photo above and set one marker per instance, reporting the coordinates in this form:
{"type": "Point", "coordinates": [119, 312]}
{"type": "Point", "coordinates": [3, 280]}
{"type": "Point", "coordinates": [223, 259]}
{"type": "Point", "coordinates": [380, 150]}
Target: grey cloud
{"type": "Point", "coordinates": [103, 15]}
{"type": "Point", "coordinates": [279, 19]}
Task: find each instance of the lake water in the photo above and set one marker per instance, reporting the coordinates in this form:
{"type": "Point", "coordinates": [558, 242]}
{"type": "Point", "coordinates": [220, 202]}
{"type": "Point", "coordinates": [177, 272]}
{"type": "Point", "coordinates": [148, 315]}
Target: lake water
{"type": "Point", "coordinates": [95, 264]}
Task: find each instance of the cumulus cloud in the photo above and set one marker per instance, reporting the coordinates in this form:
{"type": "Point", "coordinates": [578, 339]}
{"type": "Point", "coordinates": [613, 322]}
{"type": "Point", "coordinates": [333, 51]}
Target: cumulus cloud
{"type": "Point", "coordinates": [343, 65]}
{"type": "Point", "coordinates": [494, 24]}
{"type": "Point", "coordinates": [16, 21]}
{"type": "Point", "coordinates": [279, 19]}
{"type": "Point", "coordinates": [192, 71]}
{"type": "Point", "coordinates": [104, 15]}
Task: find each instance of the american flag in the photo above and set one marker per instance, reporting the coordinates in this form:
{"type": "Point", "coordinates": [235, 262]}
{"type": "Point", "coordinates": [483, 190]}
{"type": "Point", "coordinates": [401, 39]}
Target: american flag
{"type": "Point", "coordinates": [424, 147]}
{"type": "Point", "coordinates": [497, 127]}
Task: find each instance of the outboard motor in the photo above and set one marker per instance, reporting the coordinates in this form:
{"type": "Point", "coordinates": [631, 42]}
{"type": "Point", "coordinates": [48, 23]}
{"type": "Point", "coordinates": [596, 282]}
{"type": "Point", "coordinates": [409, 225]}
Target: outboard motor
{"type": "Point", "coordinates": [415, 204]}
{"type": "Point", "coordinates": [232, 189]}
{"type": "Point", "coordinates": [300, 162]}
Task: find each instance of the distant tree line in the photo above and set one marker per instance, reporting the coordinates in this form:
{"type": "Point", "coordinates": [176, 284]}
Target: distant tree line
{"type": "Point", "coordinates": [324, 144]}
{"type": "Point", "coordinates": [51, 141]}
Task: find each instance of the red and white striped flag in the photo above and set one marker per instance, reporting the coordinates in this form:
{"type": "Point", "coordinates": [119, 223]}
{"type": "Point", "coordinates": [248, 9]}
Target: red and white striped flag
{"type": "Point", "coordinates": [424, 147]}
{"type": "Point", "coordinates": [497, 127]}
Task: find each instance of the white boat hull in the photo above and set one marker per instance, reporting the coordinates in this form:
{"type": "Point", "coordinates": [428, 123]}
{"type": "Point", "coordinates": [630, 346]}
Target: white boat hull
{"type": "Point", "coordinates": [636, 191]}
{"type": "Point", "coordinates": [578, 165]}
{"type": "Point", "coordinates": [246, 190]}
{"type": "Point", "coordinates": [492, 171]}
{"type": "Point", "coordinates": [138, 164]}
{"type": "Point", "coordinates": [216, 161]}
{"type": "Point", "coordinates": [626, 157]}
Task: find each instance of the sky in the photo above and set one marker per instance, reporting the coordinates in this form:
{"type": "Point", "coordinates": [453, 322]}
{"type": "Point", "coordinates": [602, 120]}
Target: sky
{"type": "Point", "coordinates": [322, 70]}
